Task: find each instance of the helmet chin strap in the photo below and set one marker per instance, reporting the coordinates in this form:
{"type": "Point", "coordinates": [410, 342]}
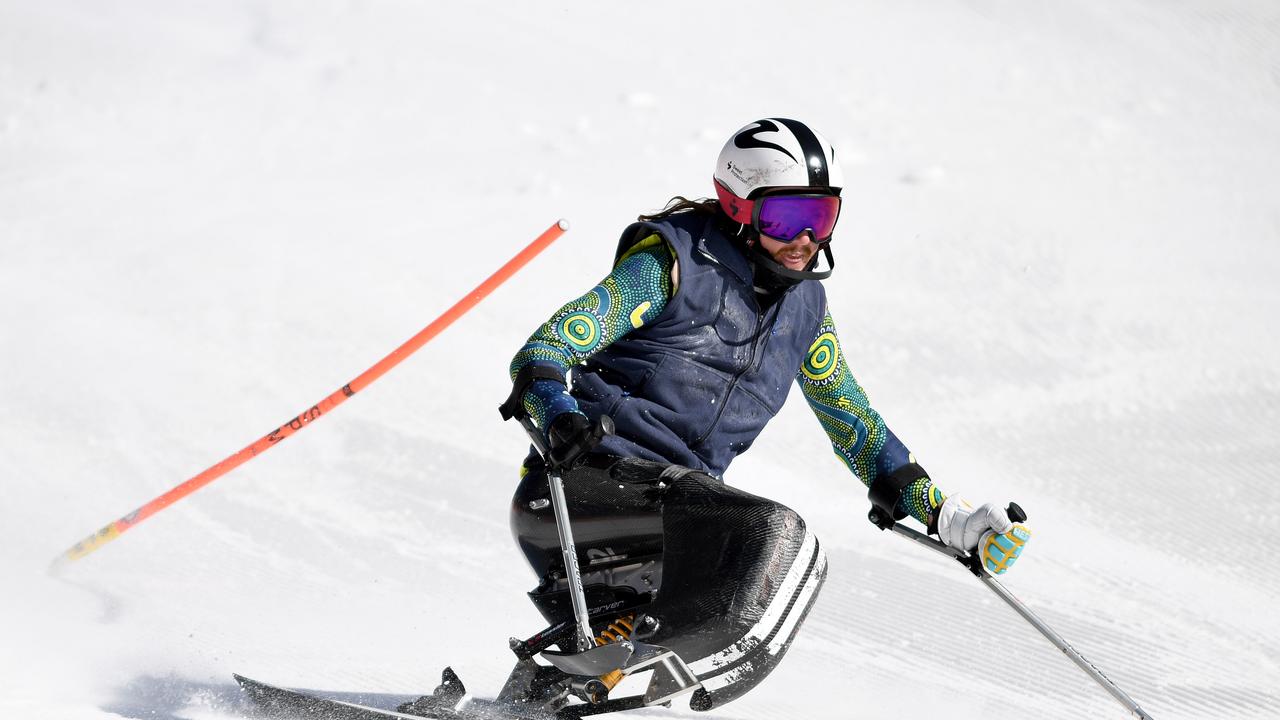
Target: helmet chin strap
{"type": "Point", "coordinates": [781, 276]}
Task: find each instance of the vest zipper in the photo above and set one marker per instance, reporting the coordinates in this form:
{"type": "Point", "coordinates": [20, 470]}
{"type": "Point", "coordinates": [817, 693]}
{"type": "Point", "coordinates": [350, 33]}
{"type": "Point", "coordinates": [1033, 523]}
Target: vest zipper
{"type": "Point", "coordinates": [751, 361]}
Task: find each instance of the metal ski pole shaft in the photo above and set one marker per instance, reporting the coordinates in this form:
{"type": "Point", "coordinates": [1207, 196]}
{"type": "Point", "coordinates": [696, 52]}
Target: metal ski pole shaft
{"type": "Point", "coordinates": [974, 565]}
{"type": "Point", "coordinates": [560, 507]}
{"type": "Point", "coordinates": [576, 595]}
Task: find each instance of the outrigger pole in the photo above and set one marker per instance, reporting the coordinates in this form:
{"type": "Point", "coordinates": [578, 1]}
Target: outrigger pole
{"type": "Point", "coordinates": [974, 565]}
{"type": "Point", "coordinates": [559, 505]}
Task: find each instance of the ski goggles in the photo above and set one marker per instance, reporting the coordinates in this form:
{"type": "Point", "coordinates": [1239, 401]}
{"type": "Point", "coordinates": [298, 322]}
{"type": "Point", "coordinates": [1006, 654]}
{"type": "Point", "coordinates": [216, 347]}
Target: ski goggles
{"type": "Point", "coordinates": [785, 217]}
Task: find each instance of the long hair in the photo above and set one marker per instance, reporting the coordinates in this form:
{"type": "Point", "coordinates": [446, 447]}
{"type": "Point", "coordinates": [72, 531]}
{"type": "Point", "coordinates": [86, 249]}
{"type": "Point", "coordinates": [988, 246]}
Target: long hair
{"type": "Point", "coordinates": [679, 204]}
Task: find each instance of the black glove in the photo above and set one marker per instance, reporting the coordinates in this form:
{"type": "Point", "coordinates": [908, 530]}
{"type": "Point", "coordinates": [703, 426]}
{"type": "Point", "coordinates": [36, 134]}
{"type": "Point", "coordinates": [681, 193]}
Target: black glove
{"type": "Point", "coordinates": [570, 435]}
{"type": "Point", "coordinates": [565, 429]}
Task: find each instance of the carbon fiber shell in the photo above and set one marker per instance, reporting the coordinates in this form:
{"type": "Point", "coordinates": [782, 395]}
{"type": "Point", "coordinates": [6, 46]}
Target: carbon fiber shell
{"type": "Point", "coordinates": [730, 576]}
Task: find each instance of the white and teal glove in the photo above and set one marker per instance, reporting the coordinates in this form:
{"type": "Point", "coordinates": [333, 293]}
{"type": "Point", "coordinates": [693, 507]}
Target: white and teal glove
{"type": "Point", "coordinates": [986, 531]}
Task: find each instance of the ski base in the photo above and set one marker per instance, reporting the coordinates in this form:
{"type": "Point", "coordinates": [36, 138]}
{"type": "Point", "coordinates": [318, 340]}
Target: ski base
{"type": "Point", "coordinates": [285, 703]}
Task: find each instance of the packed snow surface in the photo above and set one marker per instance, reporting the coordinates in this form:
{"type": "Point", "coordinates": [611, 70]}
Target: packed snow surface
{"type": "Point", "coordinates": [1056, 278]}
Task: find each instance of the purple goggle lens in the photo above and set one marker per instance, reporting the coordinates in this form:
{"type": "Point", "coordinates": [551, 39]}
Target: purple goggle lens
{"type": "Point", "coordinates": [785, 217]}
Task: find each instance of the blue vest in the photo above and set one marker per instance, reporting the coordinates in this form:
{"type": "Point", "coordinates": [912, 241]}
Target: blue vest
{"type": "Point", "coordinates": [696, 385]}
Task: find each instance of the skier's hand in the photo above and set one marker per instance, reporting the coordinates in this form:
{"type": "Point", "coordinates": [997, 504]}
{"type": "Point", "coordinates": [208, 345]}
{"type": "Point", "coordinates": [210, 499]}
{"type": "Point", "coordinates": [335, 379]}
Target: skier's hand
{"type": "Point", "coordinates": [568, 435]}
{"type": "Point", "coordinates": [987, 531]}
{"type": "Point", "coordinates": [566, 428]}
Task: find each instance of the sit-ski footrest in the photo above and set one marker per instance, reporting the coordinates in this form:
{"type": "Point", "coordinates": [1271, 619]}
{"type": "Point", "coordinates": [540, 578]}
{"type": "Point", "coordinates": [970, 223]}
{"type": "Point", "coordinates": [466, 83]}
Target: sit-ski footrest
{"type": "Point", "coordinates": [671, 675]}
{"type": "Point", "coordinates": [595, 662]}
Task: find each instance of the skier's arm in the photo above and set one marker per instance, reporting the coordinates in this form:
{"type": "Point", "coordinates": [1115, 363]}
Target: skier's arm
{"type": "Point", "coordinates": [633, 294]}
{"type": "Point", "coordinates": [857, 432]}
{"type": "Point", "coordinates": [884, 464]}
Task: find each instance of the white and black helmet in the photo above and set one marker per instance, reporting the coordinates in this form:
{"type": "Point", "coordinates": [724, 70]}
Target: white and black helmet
{"type": "Point", "coordinates": [775, 153]}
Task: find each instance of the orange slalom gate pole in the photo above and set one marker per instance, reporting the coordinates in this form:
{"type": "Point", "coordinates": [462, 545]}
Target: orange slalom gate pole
{"type": "Point", "coordinates": [114, 529]}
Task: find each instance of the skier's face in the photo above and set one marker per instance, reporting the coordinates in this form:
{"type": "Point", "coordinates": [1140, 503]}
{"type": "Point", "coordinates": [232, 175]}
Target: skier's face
{"type": "Point", "coordinates": [794, 255]}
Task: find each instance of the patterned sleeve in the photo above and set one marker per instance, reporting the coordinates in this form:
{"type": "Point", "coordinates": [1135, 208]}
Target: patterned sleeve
{"type": "Point", "coordinates": [635, 293]}
{"type": "Point", "coordinates": [858, 434]}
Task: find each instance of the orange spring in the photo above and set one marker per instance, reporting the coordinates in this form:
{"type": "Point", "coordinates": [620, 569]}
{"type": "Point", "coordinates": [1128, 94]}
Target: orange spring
{"type": "Point", "coordinates": [619, 629]}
